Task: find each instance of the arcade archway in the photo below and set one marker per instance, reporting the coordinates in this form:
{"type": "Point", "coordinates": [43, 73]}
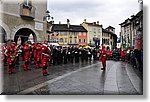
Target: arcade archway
{"type": "Point", "coordinates": [2, 35]}
{"type": "Point", "coordinates": [24, 34]}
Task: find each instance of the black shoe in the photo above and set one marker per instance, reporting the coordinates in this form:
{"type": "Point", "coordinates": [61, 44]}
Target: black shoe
{"type": "Point", "coordinates": [29, 68]}
{"type": "Point", "coordinates": [44, 74]}
{"type": "Point", "coordinates": [102, 68]}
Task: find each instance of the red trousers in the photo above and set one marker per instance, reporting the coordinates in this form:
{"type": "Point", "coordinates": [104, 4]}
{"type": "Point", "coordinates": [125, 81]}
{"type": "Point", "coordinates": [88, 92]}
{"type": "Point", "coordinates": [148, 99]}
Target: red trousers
{"type": "Point", "coordinates": [44, 65]}
{"type": "Point", "coordinates": [38, 62]}
{"type": "Point", "coordinates": [26, 63]}
{"type": "Point", "coordinates": [11, 66]}
{"type": "Point", "coordinates": [104, 63]}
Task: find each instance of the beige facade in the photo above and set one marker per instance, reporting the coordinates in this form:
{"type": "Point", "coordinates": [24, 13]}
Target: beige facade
{"type": "Point", "coordinates": [132, 31]}
{"type": "Point", "coordinates": [22, 18]}
{"type": "Point", "coordinates": [109, 39]}
{"type": "Point", "coordinates": [94, 30]}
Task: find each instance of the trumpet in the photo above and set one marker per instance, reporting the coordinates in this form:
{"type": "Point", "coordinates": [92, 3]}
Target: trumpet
{"type": "Point", "coordinates": [14, 57]}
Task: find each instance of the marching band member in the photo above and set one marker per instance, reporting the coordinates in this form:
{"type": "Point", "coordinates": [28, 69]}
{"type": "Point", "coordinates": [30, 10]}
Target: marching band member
{"type": "Point", "coordinates": [38, 55]}
{"type": "Point", "coordinates": [11, 53]}
{"type": "Point", "coordinates": [103, 57]}
{"type": "Point", "coordinates": [27, 56]}
{"type": "Point", "coordinates": [45, 58]}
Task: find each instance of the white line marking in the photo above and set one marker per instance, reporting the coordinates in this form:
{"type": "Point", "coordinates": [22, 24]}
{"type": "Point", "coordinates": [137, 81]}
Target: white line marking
{"type": "Point", "coordinates": [26, 91]}
{"type": "Point", "coordinates": [111, 81]}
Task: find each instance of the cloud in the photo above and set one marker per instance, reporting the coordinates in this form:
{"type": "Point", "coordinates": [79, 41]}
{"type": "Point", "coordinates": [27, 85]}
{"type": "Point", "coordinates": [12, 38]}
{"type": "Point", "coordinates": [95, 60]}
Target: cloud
{"type": "Point", "coordinates": [108, 12]}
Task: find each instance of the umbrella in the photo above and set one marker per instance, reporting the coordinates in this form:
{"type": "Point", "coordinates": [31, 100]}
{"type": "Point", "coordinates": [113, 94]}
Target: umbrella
{"type": "Point", "coordinates": [87, 47]}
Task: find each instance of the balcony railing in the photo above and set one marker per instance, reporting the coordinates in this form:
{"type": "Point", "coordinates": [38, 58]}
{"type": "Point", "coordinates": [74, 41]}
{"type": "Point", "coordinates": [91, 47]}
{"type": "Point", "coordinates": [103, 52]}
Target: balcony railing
{"type": "Point", "coordinates": [27, 11]}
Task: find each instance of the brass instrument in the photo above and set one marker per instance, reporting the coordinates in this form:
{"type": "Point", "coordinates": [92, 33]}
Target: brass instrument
{"type": "Point", "coordinates": [14, 57]}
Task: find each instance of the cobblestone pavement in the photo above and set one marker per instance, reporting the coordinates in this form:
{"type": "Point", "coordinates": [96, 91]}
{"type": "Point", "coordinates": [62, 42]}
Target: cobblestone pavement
{"type": "Point", "coordinates": [83, 79]}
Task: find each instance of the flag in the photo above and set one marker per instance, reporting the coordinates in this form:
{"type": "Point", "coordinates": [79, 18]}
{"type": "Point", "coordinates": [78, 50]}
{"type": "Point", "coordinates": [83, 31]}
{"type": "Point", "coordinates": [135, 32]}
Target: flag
{"type": "Point", "coordinates": [123, 43]}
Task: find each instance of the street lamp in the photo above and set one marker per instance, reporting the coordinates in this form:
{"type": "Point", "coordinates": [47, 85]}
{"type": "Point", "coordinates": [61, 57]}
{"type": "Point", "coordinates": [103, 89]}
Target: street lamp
{"type": "Point", "coordinates": [47, 17]}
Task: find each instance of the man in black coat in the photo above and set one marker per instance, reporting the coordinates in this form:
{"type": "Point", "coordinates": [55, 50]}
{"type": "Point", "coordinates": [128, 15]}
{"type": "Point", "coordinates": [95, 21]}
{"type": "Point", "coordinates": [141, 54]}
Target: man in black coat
{"type": "Point", "coordinates": [55, 55]}
{"type": "Point", "coordinates": [76, 54]}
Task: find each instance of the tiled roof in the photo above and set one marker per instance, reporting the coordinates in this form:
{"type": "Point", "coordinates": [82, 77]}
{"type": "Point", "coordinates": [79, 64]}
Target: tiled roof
{"type": "Point", "coordinates": [110, 27]}
{"type": "Point", "coordinates": [72, 28]}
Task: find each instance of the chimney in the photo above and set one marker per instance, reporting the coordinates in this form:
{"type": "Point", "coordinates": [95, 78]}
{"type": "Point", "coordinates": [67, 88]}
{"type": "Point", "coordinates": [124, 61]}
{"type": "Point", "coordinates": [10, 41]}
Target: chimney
{"type": "Point", "coordinates": [140, 5]}
{"type": "Point", "coordinates": [68, 24]}
{"type": "Point", "coordinates": [94, 23]}
{"type": "Point", "coordinates": [59, 22]}
{"type": "Point", "coordinates": [97, 22]}
{"type": "Point", "coordinates": [84, 20]}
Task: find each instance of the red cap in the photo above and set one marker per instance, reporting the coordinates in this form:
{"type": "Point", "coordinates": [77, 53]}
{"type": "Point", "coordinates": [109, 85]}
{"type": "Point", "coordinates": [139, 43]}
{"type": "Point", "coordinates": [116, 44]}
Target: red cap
{"type": "Point", "coordinates": [45, 41]}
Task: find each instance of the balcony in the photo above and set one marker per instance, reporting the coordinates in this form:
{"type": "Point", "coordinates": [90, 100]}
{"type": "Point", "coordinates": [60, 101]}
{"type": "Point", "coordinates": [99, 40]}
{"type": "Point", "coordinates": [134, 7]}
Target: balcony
{"type": "Point", "coordinates": [27, 11]}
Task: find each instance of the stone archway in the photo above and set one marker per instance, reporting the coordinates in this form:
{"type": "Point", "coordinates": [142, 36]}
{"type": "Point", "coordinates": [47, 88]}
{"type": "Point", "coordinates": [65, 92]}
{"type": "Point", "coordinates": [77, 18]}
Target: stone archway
{"type": "Point", "coordinates": [27, 26]}
{"type": "Point", "coordinates": [6, 29]}
{"type": "Point", "coordinates": [23, 34]}
{"type": "Point", "coordinates": [3, 35]}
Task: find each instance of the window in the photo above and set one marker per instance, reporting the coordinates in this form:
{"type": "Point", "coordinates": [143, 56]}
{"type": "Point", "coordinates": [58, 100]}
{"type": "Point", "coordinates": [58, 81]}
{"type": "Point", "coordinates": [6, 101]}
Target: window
{"type": "Point", "coordinates": [71, 34]}
{"type": "Point", "coordinates": [61, 33]}
{"type": "Point", "coordinates": [110, 36]}
{"type": "Point", "coordinates": [75, 34]}
{"type": "Point", "coordinates": [61, 39]}
{"type": "Point", "coordinates": [56, 40]}
{"type": "Point", "coordinates": [84, 40]}
{"type": "Point", "coordinates": [94, 29]}
{"type": "Point", "coordinates": [70, 41]}
{"type": "Point", "coordinates": [65, 40]}
{"type": "Point", "coordinates": [65, 33]}
{"type": "Point", "coordinates": [84, 34]}
{"type": "Point", "coordinates": [75, 40]}
{"type": "Point", "coordinates": [80, 34]}
{"type": "Point", "coordinates": [80, 40]}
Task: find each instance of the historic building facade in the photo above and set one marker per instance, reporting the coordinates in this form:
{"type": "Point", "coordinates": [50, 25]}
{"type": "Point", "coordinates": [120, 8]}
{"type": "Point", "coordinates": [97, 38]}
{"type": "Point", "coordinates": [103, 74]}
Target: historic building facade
{"type": "Point", "coordinates": [109, 38]}
{"type": "Point", "coordinates": [24, 20]}
{"type": "Point", "coordinates": [67, 34]}
{"type": "Point", "coordinates": [132, 30]}
{"type": "Point", "coordinates": [94, 32]}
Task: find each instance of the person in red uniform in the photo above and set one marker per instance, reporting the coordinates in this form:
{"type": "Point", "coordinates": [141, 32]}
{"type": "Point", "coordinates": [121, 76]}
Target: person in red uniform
{"type": "Point", "coordinates": [27, 56]}
{"type": "Point", "coordinates": [103, 58]}
{"type": "Point", "coordinates": [45, 58]}
{"type": "Point", "coordinates": [11, 53]}
{"type": "Point", "coordinates": [38, 52]}
{"type": "Point", "coordinates": [123, 55]}
{"type": "Point", "coordinates": [34, 51]}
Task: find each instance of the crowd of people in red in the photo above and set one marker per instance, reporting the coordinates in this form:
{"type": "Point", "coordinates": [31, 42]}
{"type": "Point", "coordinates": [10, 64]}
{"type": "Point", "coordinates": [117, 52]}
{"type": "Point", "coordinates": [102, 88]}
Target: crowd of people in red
{"type": "Point", "coordinates": [45, 55]}
{"type": "Point", "coordinates": [40, 53]}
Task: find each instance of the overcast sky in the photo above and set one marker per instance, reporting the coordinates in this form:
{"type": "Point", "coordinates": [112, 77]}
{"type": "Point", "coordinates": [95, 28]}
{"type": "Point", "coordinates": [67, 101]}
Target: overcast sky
{"type": "Point", "coordinates": [107, 12]}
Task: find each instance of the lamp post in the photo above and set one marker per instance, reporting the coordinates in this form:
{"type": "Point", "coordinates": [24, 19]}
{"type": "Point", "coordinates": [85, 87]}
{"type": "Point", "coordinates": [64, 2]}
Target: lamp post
{"type": "Point", "coordinates": [50, 22]}
{"type": "Point", "coordinates": [47, 16]}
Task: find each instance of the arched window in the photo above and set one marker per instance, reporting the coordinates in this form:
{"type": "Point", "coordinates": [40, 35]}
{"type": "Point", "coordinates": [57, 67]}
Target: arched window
{"type": "Point", "coordinates": [61, 39]}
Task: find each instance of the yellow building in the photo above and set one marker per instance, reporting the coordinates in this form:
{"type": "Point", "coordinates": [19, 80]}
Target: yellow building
{"type": "Point", "coordinates": [66, 34]}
